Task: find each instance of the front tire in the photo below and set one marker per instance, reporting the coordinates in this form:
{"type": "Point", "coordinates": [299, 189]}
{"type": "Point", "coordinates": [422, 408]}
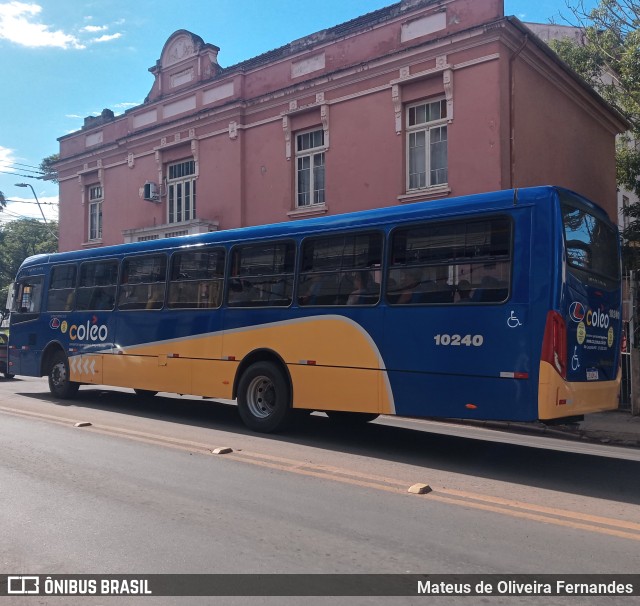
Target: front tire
{"type": "Point", "coordinates": [264, 398]}
{"type": "Point", "coordinates": [59, 384]}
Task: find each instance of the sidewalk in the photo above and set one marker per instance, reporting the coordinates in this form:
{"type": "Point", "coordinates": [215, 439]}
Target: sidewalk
{"type": "Point", "coordinates": [613, 427]}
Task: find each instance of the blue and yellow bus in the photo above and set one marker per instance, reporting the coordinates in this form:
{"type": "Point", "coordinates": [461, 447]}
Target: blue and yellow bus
{"type": "Point", "coordinates": [498, 306]}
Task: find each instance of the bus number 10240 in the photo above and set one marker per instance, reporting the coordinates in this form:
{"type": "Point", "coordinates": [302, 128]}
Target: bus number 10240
{"type": "Point", "coordinates": [458, 340]}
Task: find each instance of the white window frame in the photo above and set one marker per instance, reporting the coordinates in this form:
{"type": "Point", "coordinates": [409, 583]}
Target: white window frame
{"type": "Point", "coordinates": [311, 148]}
{"type": "Point", "coordinates": [421, 173]}
{"type": "Point", "coordinates": [181, 191]}
{"type": "Point", "coordinates": [96, 198]}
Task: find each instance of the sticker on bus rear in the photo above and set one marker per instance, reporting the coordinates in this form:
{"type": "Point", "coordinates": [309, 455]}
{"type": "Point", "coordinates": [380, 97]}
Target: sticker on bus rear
{"type": "Point", "coordinates": [592, 374]}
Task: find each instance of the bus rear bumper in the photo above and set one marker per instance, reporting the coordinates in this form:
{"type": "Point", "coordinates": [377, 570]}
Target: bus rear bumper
{"type": "Point", "coordinates": [558, 398]}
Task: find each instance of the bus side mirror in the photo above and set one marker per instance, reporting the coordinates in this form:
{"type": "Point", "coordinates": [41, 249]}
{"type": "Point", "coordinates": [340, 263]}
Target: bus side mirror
{"type": "Point", "coordinates": [10, 297]}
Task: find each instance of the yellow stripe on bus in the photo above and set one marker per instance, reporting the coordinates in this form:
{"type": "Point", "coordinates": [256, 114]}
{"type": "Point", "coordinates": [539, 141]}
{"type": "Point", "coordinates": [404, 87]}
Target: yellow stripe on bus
{"type": "Point", "coordinates": [334, 364]}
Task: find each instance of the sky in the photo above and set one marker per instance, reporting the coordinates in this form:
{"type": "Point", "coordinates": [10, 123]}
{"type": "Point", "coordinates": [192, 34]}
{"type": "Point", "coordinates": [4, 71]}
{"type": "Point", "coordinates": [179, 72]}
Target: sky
{"type": "Point", "coordinates": [64, 60]}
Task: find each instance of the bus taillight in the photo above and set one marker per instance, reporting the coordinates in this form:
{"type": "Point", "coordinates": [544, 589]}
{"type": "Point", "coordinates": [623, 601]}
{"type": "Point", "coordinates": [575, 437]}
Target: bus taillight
{"type": "Point", "coordinates": [554, 344]}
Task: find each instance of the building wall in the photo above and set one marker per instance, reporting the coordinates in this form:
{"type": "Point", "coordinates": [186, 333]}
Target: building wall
{"type": "Point", "coordinates": [557, 138]}
{"type": "Point", "coordinates": [356, 83]}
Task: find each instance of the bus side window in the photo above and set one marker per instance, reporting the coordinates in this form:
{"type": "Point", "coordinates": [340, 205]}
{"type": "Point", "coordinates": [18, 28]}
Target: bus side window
{"type": "Point", "coordinates": [341, 270]}
{"type": "Point", "coordinates": [97, 286]}
{"type": "Point", "coordinates": [262, 275]}
{"type": "Point", "coordinates": [442, 262]}
{"type": "Point", "coordinates": [143, 282]}
{"type": "Point", "coordinates": [196, 279]}
{"type": "Point", "coordinates": [62, 288]}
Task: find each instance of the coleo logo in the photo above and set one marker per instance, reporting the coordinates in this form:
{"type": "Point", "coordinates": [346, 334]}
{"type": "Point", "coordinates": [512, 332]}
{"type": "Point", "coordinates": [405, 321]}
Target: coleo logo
{"type": "Point", "coordinates": [595, 318]}
{"type": "Point", "coordinates": [91, 331]}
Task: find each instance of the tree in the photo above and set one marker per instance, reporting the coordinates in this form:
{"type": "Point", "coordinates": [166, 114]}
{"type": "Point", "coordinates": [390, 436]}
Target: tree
{"type": "Point", "coordinates": [18, 240]}
{"type": "Point", "coordinates": [3, 201]}
{"type": "Point", "coordinates": [46, 166]}
{"type": "Point", "coordinates": [609, 59]}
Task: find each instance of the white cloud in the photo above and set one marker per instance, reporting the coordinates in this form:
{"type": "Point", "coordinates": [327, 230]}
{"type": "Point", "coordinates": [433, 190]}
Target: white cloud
{"type": "Point", "coordinates": [18, 24]}
{"type": "Point", "coordinates": [6, 157]}
{"type": "Point", "coordinates": [94, 28]}
{"type": "Point", "coordinates": [126, 105]}
{"type": "Point", "coordinates": [107, 37]}
{"type": "Point", "coordinates": [26, 207]}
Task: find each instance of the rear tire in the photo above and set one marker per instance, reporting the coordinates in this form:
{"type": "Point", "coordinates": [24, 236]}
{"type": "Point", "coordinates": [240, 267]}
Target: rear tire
{"type": "Point", "coordinates": [8, 375]}
{"type": "Point", "coordinates": [264, 398]}
{"type": "Point", "coordinates": [59, 384]}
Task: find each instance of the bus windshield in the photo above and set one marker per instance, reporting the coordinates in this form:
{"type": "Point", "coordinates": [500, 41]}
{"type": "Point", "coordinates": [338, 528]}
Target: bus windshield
{"type": "Point", "coordinates": [592, 244]}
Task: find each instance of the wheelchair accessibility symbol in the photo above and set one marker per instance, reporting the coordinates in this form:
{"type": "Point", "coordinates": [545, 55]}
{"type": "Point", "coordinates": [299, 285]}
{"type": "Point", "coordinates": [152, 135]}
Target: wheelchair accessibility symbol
{"type": "Point", "coordinates": [513, 321]}
{"type": "Point", "coordinates": [575, 361]}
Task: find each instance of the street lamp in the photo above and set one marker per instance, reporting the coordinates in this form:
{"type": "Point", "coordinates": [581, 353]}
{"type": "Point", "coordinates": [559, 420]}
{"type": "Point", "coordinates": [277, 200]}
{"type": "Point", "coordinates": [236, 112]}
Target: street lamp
{"type": "Point", "coordinates": [40, 207]}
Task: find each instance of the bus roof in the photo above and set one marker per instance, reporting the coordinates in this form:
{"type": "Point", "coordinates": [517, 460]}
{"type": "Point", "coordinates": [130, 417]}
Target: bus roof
{"type": "Point", "coordinates": [416, 211]}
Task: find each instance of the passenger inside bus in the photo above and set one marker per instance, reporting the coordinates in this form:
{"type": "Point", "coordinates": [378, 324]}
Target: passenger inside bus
{"type": "Point", "coordinates": [463, 291]}
{"type": "Point", "coordinates": [366, 290]}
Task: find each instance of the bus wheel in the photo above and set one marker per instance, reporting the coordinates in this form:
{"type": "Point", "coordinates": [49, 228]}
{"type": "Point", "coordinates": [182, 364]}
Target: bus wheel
{"type": "Point", "coordinates": [59, 384]}
{"type": "Point", "coordinates": [264, 401]}
{"type": "Point", "coordinates": [145, 393]}
{"type": "Point", "coordinates": [351, 419]}
{"type": "Point", "coordinates": [8, 375]}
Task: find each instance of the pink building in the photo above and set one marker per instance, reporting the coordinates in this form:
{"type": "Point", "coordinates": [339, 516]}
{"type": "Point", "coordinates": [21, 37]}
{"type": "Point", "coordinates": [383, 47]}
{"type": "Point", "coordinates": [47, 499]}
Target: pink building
{"type": "Point", "coordinates": [420, 100]}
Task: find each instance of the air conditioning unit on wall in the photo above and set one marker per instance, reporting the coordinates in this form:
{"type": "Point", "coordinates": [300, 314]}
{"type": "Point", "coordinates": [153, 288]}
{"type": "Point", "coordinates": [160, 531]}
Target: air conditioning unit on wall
{"type": "Point", "coordinates": [150, 192]}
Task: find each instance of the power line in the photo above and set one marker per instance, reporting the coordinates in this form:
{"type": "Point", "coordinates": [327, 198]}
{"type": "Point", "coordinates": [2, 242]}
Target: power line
{"type": "Point", "coordinates": [28, 166]}
{"type": "Point", "coordinates": [20, 174]}
{"type": "Point", "coordinates": [30, 202]}
{"type": "Point", "coordinates": [14, 166]}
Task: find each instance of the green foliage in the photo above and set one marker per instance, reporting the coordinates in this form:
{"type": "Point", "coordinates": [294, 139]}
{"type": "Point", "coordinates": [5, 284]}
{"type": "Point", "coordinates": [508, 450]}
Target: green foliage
{"type": "Point", "coordinates": [46, 166]}
{"type": "Point", "coordinates": [18, 240]}
{"type": "Point", "coordinates": [3, 201]}
{"type": "Point", "coordinates": [609, 60]}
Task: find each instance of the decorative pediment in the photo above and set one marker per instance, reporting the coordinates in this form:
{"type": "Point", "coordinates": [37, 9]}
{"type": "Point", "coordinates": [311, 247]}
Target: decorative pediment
{"type": "Point", "coordinates": [185, 59]}
{"type": "Point", "coordinates": [182, 45]}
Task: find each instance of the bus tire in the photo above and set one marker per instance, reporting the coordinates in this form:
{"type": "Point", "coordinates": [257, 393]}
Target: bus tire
{"type": "Point", "coordinates": [59, 384]}
{"type": "Point", "coordinates": [264, 398]}
{"type": "Point", "coordinates": [8, 375]}
{"type": "Point", "coordinates": [351, 419]}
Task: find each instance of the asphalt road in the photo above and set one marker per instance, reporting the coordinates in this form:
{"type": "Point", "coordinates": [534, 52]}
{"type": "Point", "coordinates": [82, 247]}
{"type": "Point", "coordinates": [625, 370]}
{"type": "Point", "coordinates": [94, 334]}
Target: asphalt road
{"type": "Point", "coordinates": [140, 491]}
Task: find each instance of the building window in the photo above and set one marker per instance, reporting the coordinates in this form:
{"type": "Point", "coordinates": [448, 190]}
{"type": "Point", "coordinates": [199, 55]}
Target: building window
{"type": "Point", "coordinates": [427, 145]}
{"type": "Point", "coordinates": [95, 212]}
{"type": "Point", "coordinates": [310, 175]}
{"type": "Point", "coordinates": [181, 191]}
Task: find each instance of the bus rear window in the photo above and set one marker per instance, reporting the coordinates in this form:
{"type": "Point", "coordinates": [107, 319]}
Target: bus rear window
{"type": "Point", "coordinates": [592, 244]}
